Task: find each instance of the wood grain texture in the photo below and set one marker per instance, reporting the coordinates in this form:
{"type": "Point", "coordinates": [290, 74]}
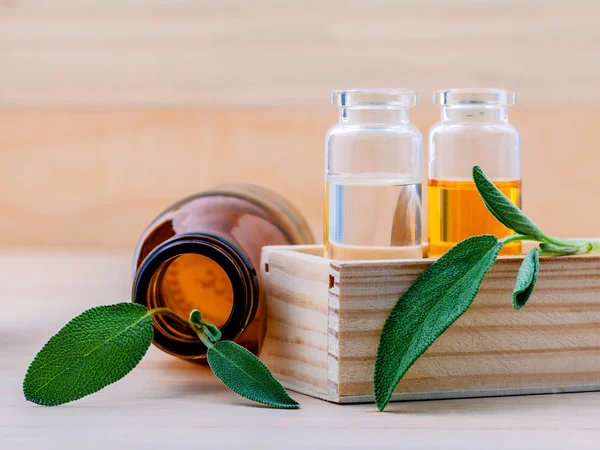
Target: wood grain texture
{"type": "Point", "coordinates": [166, 401]}
{"type": "Point", "coordinates": [295, 346]}
{"type": "Point", "coordinates": [97, 178]}
{"type": "Point", "coordinates": [551, 345]}
{"type": "Point", "coordinates": [110, 111]}
{"type": "Point", "coordinates": [280, 53]}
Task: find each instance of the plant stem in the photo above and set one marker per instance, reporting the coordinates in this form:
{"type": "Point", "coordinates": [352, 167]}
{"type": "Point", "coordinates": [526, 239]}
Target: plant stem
{"type": "Point", "coordinates": [516, 238]}
{"type": "Point", "coordinates": [584, 246]}
{"type": "Point", "coordinates": [171, 314]}
{"type": "Point", "coordinates": [197, 329]}
{"type": "Point", "coordinates": [203, 336]}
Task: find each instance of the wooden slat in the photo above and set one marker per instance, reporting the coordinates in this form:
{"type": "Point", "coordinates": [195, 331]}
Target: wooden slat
{"type": "Point", "coordinates": [282, 53]}
{"type": "Point", "coordinates": [96, 178]}
{"type": "Point", "coordinates": [295, 346]}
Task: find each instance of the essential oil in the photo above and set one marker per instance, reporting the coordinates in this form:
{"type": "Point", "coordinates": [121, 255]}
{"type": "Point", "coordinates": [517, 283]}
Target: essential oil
{"type": "Point", "coordinates": [456, 212]}
{"type": "Point", "coordinates": [372, 217]}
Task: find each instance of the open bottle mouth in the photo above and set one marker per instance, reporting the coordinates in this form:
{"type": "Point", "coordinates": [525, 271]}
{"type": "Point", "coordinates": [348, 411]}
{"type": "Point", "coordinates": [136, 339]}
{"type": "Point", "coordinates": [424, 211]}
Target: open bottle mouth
{"type": "Point", "coordinates": [374, 98]}
{"type": "Point", "coordinates": [474, 97]}
{"type": "Point", "coordinates": [161, 281]}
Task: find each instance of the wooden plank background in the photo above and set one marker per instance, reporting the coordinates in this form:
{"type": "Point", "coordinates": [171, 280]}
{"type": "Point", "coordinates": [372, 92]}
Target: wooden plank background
{"type": "Point", "coordinates": [110, 110]}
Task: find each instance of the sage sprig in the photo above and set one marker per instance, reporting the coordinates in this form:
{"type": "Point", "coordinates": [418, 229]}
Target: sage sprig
{"type": "Point", "coordinates": [448, 287]}
{"type": "Point", "coordinates": [105, 343]}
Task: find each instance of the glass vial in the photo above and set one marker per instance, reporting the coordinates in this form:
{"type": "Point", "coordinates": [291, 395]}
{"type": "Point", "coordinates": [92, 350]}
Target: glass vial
{"type": "Point", "coordinates": [203, 253]}
{"type": "Point", "coordinates": [373, 174]}
{"type": "Point", "coordinates": [473, 130]}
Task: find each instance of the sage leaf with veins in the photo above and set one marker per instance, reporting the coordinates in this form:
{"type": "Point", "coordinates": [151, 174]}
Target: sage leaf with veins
{"type": "Point", "coordinates": [239, 369]}
{"type": "Point", "coordinates": [96, 348]}
{"type": "Point", "coordinates": [246, 375]}
{"type": "Point", "coordinates": [505, 211]}
{"type": "Point", "coordinates": [434, 301]}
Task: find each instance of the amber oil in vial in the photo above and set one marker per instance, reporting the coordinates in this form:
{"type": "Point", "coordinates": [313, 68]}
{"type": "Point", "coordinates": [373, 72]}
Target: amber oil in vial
{"type": "Point", "coordinates": [456, 212]}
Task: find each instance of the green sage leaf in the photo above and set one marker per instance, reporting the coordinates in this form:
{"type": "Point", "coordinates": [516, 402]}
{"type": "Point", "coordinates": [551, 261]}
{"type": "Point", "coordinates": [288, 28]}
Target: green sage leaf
{"type": "Point", "coordinates": [548, 249]}
{"type": "Point", "coordinates": [246, 375]}
{"type": "Point", "coordinates": [434, 301]}
{"type": "Point", "coordinates": [93, 350]}
{"type": "Point", "coordinates": [505, 211]}
{"type": "Point", "coordinates": [526, 279]}
{"type": "Point", "coordinates": [211, 331]}
{"type": "Point", "coordinates": [196, 317]}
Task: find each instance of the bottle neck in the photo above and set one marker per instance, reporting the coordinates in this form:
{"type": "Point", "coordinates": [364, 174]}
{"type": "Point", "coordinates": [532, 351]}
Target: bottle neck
{"type": "Point", "coordinates": [471, 114]}
{"type": "Point", "coordinates": [155, 274]}
{"type": "Point", "coordinates": [374, 116]}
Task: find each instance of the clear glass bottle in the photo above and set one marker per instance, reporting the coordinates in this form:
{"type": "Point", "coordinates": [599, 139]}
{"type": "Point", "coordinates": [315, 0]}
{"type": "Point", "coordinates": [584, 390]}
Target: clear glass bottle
{"type": "Point", "coordinates": [373, 175]}
{"type": "Point", "coordinates": [473, 130]}
{"type": "Point", "coordinates": [203, 253]}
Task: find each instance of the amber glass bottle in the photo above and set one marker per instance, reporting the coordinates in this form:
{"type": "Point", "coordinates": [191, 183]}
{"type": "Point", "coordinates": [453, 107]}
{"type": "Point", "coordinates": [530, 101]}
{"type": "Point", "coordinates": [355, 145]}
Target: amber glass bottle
{"type": "Point", "coordinates": [204, 253]}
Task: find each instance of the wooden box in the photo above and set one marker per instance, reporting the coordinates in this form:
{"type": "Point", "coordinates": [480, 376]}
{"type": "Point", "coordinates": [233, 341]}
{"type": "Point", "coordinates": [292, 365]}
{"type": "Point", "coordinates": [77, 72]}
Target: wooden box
{"type": "Point", "coordinates": [325, 317]}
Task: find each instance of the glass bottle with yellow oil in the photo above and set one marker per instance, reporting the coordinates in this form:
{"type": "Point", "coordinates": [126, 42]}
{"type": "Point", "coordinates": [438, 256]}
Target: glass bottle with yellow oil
{"type": "Point", "coordinates": [473, 130]}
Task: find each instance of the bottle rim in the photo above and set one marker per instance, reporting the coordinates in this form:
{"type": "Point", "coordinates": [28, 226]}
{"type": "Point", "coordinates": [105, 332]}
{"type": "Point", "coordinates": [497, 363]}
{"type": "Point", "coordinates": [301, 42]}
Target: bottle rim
{"type": "Point", "coordinates": [239, 269]}
{"type": "Point", "coordinates": [474, 97]}
{"type": "Point", "coordinates": [374, 98]}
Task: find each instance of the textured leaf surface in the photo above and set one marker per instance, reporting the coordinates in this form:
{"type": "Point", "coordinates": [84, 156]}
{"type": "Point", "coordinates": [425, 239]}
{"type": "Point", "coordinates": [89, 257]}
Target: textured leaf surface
{"type": "Point", "coordinates": [548, 249]}
{"type": "Point", "coordinates": [528, 274]}
{"type": "Point", "coordinates": [505, 211]}
{"type": "Point", "coordinates": [435, 300]}
{"type": "Point", "coordinates": [95, 349]}
{"type": "Point", "coordinates": [246, 375]}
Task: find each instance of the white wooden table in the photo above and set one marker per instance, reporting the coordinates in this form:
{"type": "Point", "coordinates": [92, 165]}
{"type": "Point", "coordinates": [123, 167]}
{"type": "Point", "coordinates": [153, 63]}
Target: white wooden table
{"type": "Point", "coordinates": [167, 403]}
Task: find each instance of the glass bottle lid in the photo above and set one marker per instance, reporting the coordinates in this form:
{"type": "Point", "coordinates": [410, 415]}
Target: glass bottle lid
{"type": "Point", "coordinates": [474, 96]}
{"type": "Point", "coordinates": [374, 98]}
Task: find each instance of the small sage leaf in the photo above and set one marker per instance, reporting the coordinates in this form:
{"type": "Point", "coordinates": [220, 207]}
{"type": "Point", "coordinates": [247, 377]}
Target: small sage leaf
{"type": "Point", "coordinates": [196, 317]}
{"type": "Point", "coordinates": [93, 350]}
{"type": "Point", "coordinates": [505, 211]}
{"type": "Point", "coordinates": [211, 331]}
{"type": "Point", "coordinates": [246, 375]}
{"type": "Point", "coordinates": [548, 249]}
{"type": "Point", "coordinates": [526, 279]}
{"type": "Point", "coordinates": [434, 302]}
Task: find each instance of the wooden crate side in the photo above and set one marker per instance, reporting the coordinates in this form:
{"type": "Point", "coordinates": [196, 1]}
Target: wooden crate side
{"type": "Point", "coordinates": [364, 294]}
{"type": "Point", "coordinates": [553, 344]}
{"type": "Point", "coordinates": [333, 333]}
{"type": "Point", "coordinates": [295, 284]}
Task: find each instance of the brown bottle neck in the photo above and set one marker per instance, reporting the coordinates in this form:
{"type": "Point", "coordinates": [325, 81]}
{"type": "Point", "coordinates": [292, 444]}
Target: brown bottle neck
{"type": "Point", "coordinates": [173, 337]}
